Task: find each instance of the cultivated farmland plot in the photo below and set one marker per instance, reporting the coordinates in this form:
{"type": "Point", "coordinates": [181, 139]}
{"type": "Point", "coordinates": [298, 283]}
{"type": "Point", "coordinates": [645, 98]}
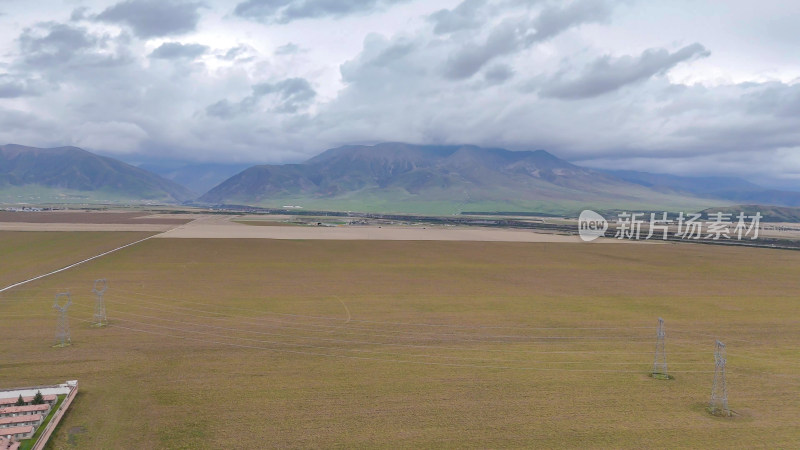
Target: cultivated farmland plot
{"type": "Point", "coordinates": [252, 343]}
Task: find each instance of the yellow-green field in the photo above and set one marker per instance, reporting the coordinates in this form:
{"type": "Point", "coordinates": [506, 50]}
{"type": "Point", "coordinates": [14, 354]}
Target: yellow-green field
{"type": "Point", "coordinates": [24, 255]}
{"type": "Point", "coordinates": [263, 343]}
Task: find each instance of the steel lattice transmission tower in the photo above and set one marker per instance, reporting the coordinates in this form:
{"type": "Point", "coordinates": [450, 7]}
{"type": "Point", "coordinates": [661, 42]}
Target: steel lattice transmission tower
{"type": "Point", "coordinates": [62, 328]}
{"type": "Point", "coordinates": [660, 360]}
{"type": "Point", "coordinates": [99, 288]}
{"type": "Point", "coordinates": [719, 391]}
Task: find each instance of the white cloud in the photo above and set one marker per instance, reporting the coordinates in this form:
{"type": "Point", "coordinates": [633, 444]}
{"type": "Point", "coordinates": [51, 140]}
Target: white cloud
{"type": "Point", "coordinates": [604, 83]}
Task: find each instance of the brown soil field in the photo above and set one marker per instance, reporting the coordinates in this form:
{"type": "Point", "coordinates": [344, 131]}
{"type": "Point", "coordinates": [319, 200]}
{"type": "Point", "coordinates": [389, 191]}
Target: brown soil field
{"type": "Point", "coordinates": [77, 227]}
{"type": "Point", "coordinates": [89, 217]}
{"type": "Point", "coordinates": [261, 343]}
{"type": "Point", "coordinates": [228, 227]}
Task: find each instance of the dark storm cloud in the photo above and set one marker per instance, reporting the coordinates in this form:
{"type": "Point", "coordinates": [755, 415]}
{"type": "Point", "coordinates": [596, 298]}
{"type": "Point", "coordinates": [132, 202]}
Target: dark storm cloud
{"type": "Point", "coordinates": [292, 93]}
{"type": "Point", "coordinates": [513, 35]}
{"type": "Point", "coordinates": [554, 20]}
{"type": "Point", "coordinates": [224, 109]}
{"type": "Point", "coordinates": [25, 125]}
{"type": "Point", "coordinates": [176, 50]}
{"type": "Point", "coordinates": [15, 87]}
{"type": "Point", "coordinates": [154, 18]}
{"type": "Point", "coordinates": [16, 119]}
{"type": "Point", "coordinates": [384, 63]}
{"type": "Point", "coordinates": [52, 43]}
{"type": "Point", "coordinates": [608, 74]}
{"type": "Point", "coordinates": [57, 51]}
{"type": "Point", "coordinates": [285, 11]}
{"type": "Point", "coordinates": [488, 72]}
{"type": "Point", "coordinates": [498, 74]}
{"type": "Point", "coordinates": [504, 39]}
{"type": "Point", "coordinates": [288, 96]}
{"type": "Point", "coordinates": [78, 14]}
{"type": "Point", "coordinates": [776, 99]}
{"type": "Point", "coordinates": [742, 136]}
{"type": "Point", "coordinates": [465, 16]}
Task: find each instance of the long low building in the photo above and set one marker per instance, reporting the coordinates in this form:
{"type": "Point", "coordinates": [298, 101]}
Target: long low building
{"type": "Point", "coordinates": [27, 399]}
{"type": "Point", "coordinates": [13, 411]}
{"type": "Point", "coordinates": [17, 433]}
{"type": "Point", "coordinates": [18, 423]}
{"type": "Point", "coordinates": [33, 420]}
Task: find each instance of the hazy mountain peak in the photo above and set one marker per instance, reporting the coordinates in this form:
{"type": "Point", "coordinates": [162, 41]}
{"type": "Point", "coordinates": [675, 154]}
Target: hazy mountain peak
{"type": "Point", "coordinates": [75, 169]}
{"type": "Point", "coordinates": [396, 176]}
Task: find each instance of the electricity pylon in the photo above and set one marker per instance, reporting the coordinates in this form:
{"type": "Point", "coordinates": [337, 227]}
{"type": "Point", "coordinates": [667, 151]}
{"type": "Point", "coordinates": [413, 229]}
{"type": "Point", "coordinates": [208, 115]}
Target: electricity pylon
{"type": "Point", "coordinates": [62, 328]}
{"type": "Point", "coordinates": [660, 360]}
{"type": "Point", "coordinates": [100, 319]}
{"type": "Point", "coordinates": [719, 391]}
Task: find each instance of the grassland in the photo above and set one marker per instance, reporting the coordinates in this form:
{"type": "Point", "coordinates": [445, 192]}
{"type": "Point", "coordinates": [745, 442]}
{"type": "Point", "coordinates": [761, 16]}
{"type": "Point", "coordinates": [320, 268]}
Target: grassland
{"type": "Point", "coordinates": [36, 195]}
{"type": "Point", "coordinates": [26, 254]}
{"type": "Point", "coordinates": [268, 343]}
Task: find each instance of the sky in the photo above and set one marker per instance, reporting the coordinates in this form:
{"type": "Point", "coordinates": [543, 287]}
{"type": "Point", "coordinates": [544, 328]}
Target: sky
{"type": "Point", "coordinates": [694, 87]}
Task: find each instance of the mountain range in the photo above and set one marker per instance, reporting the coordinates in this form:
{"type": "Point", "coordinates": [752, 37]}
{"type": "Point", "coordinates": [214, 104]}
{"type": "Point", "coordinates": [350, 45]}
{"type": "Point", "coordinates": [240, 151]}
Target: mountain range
{"type": "Point", "coordinates": [725, 188]}
{"type": "Point", "coordinates": [72, 174]}
{"type": "Point", "coordinates": [397, 177]}
{"type": "Point", "coordinates": [388, 177]}
{"type": "Point", "coordinates": [197, 177]}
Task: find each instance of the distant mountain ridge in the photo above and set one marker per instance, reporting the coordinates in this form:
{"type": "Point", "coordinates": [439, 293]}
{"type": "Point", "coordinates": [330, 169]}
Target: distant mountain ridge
{"type": "Point", "coordinates": [440, 179]}
{"type": "Point", "coordinates": [725, 188]}
{"type": "Point", "coordinates": [198, 177]}
{"type": "Point", "coordinates": [76, 170]}
{"type": "Point", "coordinates": [388, 177]}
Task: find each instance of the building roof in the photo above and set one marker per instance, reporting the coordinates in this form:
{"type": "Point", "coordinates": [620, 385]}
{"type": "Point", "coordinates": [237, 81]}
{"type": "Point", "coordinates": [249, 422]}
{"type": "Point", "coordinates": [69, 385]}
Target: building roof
{"type": "Point", "coordinates": [58, 389]}
{"type": "Point", "coordinates": [4, 444]}
{"type": "Point", "coordinates": [10, 431]}
{"type": "Point", "coordinates": [26, 408]}
{"type": "Point", "coordinates": [28, 399]}
{"type": "Point", "coordinates": [20, 419]}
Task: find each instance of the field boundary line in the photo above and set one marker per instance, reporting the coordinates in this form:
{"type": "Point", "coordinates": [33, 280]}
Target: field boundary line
{"type": "Point", "coordinates": [7, 288]}
{"type": "Point", "coordinates": [362, 342]}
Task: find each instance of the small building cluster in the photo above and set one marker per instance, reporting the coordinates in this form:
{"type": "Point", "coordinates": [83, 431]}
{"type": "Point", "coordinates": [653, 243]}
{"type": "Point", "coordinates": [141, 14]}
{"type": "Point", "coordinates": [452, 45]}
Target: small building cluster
{"type": "Point", "coordinates": [20, 422]}
{"type": "Point", "coordinates": [21, 414]}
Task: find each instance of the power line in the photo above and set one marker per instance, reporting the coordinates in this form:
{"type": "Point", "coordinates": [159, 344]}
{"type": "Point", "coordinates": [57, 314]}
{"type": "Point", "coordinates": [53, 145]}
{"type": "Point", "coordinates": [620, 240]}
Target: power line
{"type": "Point", "coordinates": [427, 363]}
{"type": "Point", "coordinates": [414, 334]}
{"type": "Point", "coordinates": [345, 341]}
{"type": "Point", "coordinates": [384, 322]}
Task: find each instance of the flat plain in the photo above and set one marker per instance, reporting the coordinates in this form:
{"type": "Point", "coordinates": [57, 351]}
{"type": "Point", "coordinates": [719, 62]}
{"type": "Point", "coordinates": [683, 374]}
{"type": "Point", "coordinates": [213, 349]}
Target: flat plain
{"type": "Point", "coordinates": [254, 343]}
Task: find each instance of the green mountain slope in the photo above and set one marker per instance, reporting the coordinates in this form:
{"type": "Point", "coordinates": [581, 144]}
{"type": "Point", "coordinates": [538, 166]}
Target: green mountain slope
{"type": "Point", "coordinates": [396, 177]}
{"type": "Point", "coordinates": [73, 173]}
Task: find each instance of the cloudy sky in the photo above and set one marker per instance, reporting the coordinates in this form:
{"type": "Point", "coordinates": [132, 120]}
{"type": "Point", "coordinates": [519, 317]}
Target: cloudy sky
{"type": "Point", "coordinates": [688, 87]}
